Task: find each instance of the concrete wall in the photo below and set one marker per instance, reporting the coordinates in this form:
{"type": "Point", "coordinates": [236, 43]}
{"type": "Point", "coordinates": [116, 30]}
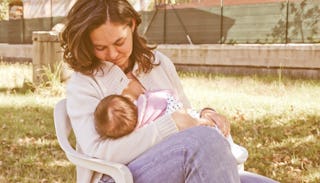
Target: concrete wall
{"type": "Point", "coordinates": [16, 50]}
{"type": "Point", "coordinates": [296, 60]}
{"type": "Point", "coordinates": [305, 56]}
{"type": "Point", "coordinates": [293, 60]}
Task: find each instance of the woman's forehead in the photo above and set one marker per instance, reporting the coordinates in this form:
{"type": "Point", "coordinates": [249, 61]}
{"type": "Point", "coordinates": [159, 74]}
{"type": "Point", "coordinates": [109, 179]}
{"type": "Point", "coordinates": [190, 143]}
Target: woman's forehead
{"type": "Point", "coordinates": [108, 33]}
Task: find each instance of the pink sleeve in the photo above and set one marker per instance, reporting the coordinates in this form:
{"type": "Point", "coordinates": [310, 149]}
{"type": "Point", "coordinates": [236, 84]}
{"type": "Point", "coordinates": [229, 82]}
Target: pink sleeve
{"type": "Point", "coordinates": [151, 105]}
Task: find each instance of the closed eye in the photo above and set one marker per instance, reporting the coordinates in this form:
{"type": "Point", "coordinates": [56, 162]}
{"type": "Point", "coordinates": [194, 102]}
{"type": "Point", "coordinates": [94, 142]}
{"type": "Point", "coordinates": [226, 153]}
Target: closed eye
{"type": "Point", "coordinates": [120, 42]}
{"type": "Point", "coordinates": [100, 48]}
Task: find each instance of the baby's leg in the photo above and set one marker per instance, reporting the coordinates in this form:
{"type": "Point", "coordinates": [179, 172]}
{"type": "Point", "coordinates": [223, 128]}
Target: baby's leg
{"type": "Point", "coordinates": [239, 152]}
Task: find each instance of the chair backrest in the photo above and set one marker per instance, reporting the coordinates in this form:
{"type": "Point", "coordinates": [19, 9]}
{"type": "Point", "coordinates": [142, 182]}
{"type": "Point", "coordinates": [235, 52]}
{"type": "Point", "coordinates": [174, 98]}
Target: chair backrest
{"type": "Point", "coordinates": [62, 125]}
{"type": "Point", "coordinates": [119, 172]}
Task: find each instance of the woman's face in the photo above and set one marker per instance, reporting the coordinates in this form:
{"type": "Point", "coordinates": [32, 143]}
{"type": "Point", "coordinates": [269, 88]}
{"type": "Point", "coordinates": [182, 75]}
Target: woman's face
{"type": "Point", "coordinates": [113, 43]}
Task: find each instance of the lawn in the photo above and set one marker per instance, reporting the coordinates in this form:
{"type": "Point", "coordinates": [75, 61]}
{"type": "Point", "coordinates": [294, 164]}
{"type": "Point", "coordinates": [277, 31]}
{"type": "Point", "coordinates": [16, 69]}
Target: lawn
{"type": "Point", "coordinates": [275, 118]}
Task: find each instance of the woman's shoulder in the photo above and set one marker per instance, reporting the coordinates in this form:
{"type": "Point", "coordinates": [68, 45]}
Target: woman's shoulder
{"type": "Point", "coordinates": [159, 56]}
{"type": "Point", "coordinates": [77, 77]}
{"type": "Point", "coordinates": [103, 71]}
{"type": "Point", "coordinates": [162, 59]}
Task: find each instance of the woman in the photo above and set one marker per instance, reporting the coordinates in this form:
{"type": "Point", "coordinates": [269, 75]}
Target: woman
{"type": "Point", "coordinates": [108, 56]}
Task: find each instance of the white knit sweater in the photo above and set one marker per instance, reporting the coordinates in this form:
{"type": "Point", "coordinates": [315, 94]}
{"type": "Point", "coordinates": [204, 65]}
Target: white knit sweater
{"type": "Point", "coordinates": [84, 93]}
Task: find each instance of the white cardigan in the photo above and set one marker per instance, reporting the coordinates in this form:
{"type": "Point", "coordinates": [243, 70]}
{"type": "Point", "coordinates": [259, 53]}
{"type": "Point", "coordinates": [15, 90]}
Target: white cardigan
{"type": "Point", "coordinates": [84, 93]}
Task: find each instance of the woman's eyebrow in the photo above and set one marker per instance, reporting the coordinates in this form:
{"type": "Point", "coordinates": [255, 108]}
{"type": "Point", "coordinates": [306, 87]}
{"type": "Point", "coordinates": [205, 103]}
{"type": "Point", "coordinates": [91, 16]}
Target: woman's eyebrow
{"type": "Point", "coordinates": [117, 41]}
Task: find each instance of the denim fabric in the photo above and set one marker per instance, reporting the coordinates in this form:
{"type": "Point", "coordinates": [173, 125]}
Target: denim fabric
{"type": "Point", "coordinates": [248, 177]}
{"type": "Point", "coordinates": [106, 179]}
{"type": "Point", "coordinates": [199, 154]}
{"type": "Point", "coordinates": [196, 155]}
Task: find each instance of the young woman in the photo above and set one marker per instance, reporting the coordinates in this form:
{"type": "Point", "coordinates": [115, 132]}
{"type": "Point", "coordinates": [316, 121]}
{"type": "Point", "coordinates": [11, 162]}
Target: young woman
{"type": "Point", "coordinates": [104, 49]}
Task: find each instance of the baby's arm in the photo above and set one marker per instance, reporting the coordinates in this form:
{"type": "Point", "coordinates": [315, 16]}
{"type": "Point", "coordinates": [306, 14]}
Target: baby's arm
{"type": "Point", "coordinates": [184, 120]}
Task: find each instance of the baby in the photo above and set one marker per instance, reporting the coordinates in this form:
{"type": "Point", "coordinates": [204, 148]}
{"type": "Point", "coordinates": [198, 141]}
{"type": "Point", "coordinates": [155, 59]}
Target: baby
{"type": "Point", "coordinates": [117, 116]}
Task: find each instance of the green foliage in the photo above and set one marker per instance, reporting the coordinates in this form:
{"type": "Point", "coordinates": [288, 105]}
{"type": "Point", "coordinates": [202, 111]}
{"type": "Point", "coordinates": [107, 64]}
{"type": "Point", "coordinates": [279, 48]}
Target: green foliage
{"type": "Point", "coordinates": [303, 19]}
{"type": "Point", "coordinates": [50, 80]}
{"type": "Point", "coordinates": [4, 10]}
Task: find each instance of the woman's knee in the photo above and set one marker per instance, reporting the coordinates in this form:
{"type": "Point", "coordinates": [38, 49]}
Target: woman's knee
{"type": "Point", "coordinates": [207, 145]}
{"type": "Point", "coordinates": [208, 156]}
{"type": "Point", "coordinates": [199, 151]}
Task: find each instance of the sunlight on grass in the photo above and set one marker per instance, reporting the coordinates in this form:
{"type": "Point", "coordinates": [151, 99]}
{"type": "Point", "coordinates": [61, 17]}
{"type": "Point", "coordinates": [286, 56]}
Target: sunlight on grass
{"type": "Point", "coordinates": [17, 78]}
{"type": "Point", "coordinates": [295, 141]}
{"type": "Point", "coordinates": [29, 141]}
{"type": "Point", "coordinates": [63, 163]}
{"type": "Point", "coordinates": [313, 176]}
{"type": "Point", "coordinates": [14, 75]}
{"type": "Point", "coordinates": [277, 120]}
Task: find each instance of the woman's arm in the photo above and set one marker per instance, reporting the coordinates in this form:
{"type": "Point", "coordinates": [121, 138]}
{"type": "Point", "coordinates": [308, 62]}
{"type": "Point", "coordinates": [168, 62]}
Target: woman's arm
{"type": "Point", "coordinates": [83, 94]}
{"type": "Point", "coordinates": [172, 74]}
{"type": "Point", "coordinates": [221, 121]}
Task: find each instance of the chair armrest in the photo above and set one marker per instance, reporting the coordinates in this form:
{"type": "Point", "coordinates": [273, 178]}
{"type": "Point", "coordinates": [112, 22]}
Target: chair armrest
{"type": "Point", "coordinates": [119, 172]}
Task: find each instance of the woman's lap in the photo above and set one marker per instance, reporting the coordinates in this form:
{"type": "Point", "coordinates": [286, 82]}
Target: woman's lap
{"type": "Point", "coordinates": [184, 157]}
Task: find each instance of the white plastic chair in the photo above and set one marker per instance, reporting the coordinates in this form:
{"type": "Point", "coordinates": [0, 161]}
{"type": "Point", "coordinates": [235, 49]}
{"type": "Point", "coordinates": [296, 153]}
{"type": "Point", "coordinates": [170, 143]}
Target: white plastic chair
{"type": "Point", "coordinates": [119, 172]}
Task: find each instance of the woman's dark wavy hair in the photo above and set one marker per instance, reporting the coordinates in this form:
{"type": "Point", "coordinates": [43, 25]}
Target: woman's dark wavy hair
{"type": "Point", "coordinates": [87, 15]}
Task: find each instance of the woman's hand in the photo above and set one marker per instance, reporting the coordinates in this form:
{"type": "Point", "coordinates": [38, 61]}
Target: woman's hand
{"type": "Point", "coordinates": [220, 120]}
{"type": "Point", "coordinates": [183, 120]}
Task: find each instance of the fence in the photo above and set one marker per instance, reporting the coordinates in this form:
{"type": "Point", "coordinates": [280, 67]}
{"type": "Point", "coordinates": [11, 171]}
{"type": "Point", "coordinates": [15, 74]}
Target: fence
{"type": "Point", "coordinates": [29, 15]}
{"type": "Point", "coordinates": [257, 21]}
{"type": "Point", "coordinates": [220, 21]}
{"type": "Point", "coordinates": [269, 21]}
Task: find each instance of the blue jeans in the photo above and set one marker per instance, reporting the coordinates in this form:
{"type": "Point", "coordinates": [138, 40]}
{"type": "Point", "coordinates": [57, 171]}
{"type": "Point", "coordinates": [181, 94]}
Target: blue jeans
{"type": "Point", "coordinates": [195, 155]}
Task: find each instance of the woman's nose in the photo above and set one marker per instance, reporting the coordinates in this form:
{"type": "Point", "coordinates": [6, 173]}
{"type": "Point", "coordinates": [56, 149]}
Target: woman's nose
{"type": "Point", "coordinates": [113, 53]}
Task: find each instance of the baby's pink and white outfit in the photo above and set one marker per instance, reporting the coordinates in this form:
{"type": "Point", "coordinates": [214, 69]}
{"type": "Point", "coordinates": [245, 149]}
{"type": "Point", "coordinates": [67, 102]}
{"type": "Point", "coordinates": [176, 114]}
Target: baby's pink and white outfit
{"type": "Point", "coordinates": [153, 104]}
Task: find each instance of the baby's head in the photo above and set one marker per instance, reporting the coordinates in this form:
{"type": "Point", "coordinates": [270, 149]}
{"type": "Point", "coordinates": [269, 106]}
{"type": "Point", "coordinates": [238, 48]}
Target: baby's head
{"type": "Point", "coordinates": [115, 116]}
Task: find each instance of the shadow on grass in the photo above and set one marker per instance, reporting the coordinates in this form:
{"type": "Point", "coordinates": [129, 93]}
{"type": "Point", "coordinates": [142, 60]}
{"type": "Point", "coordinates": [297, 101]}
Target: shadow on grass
{"type": "Point", "coordinates": [29, 150]}
{"type": "Point", "coordinates": [288, 152]}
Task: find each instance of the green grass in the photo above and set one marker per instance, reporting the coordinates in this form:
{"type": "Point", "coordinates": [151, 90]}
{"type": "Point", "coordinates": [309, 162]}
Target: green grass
{"type": "Point", "coordinates": [276, 119]}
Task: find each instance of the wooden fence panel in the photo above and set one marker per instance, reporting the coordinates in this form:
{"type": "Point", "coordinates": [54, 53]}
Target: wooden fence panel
{"type": "Point", "coordinates": [4, 31]}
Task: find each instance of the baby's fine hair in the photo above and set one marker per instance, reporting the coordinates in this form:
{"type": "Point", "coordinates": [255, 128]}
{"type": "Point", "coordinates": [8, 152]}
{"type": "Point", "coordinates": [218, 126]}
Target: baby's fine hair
{"type": "Point", "coordinates": [115, 116]}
